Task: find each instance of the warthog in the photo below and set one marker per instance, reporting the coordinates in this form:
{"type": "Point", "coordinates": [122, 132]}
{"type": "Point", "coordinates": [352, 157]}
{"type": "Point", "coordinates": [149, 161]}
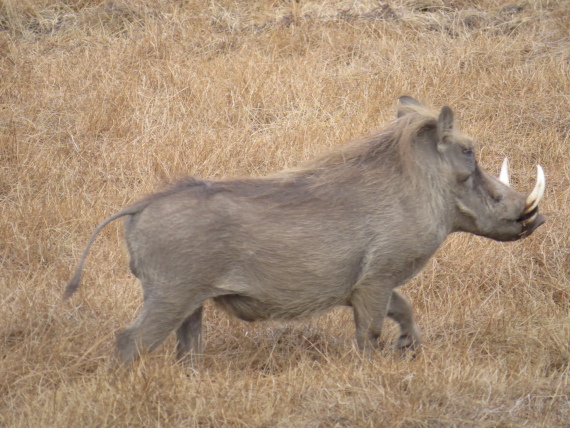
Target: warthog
{"type": "Point", "coordinates": [346, 228]}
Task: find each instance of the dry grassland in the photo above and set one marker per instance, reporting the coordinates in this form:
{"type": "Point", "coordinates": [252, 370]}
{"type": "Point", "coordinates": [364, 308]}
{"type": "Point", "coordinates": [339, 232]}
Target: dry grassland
{"type": "Point", "coordinates": [102, 102]}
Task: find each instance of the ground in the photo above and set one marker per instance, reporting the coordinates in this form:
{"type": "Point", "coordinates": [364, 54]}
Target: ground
{"type": "Point", "coordinates": [103, 102]}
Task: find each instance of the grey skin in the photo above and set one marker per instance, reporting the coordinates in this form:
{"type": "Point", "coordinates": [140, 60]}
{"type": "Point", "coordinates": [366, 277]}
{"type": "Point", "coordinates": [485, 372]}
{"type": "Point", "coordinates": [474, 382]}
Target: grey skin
{"type": "Point", "coordinates": [346, 228]}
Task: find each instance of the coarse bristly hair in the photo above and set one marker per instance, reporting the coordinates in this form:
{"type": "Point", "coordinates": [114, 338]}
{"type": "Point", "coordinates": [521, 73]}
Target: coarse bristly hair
{"type": "Point", "coordinates": [390, 149]}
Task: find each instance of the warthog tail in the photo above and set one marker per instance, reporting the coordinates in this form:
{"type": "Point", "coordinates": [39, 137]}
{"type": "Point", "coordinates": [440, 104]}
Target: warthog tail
{"type": "Point", "coordinates": [74, 283]}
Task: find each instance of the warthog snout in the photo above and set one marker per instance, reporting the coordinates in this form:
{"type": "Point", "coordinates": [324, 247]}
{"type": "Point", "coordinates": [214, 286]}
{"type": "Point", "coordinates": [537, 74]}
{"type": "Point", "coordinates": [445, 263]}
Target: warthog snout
{"type": "Point", "coordinates": [530, 218]}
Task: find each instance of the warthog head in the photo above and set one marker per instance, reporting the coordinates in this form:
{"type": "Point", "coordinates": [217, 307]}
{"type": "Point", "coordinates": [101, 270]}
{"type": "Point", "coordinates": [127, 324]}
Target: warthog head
{"type": "Point", "coordinates": [481, 204]}
{"type": "Point", "coordinates": [346, 228]}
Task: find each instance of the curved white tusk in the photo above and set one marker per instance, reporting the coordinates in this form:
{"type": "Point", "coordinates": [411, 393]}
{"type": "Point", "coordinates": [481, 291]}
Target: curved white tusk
{"type": "Point", "coordinates": [531, 219]}
{"type": "Point", "coordinates": [504, 176]}
{"type": "Point", "coordinates": [537, 193]}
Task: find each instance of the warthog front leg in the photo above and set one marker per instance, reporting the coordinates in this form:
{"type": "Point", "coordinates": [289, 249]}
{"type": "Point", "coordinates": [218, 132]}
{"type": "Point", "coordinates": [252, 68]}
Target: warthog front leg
{"type": "Point", "coordinates": [189, 336]}
{"type": "Point", "coordinates": [370, 304]}
{"type": "Point", "coordinates": [401, 312]}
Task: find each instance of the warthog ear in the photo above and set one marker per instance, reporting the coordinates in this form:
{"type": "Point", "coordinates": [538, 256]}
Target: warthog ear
{"type": "Point", "coordinates": [445, 121]}
{"type": "Point", "coordinates": [405, 101]}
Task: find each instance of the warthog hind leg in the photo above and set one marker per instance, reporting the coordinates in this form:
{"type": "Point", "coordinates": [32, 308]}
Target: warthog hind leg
{"type": "Point", "coordinates": [147, 332]}
{"type": "Point", "coordinates": [162, 313]}
{"type": "Point", "coordinates": [189, 336]}
{"type": "Point", "coordinates": [401, 312]}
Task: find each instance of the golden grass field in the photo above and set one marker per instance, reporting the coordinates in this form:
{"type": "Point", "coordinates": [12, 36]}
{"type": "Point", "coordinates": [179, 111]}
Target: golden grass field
{"type": "Point", "coordinates": [103, 102]}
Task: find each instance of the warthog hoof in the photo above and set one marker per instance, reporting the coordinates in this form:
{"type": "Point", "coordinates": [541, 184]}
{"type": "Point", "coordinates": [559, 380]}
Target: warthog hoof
{"type": "Point", "coordinates": [408, 344]}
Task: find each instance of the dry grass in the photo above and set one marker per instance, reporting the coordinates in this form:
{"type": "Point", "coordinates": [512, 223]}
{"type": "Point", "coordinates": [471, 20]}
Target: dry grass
{"type": "Point", "coordinates": [102, 102]}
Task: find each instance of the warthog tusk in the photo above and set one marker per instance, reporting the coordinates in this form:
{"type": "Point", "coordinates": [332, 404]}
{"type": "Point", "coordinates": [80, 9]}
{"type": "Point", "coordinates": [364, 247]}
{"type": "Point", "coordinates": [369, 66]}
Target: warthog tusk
{"type": "Point", "coordinates": [537, 193]}
{"type": "Point", "coordinates": [504, 176]}
{"type": "Point", "coordinates": [531, 219]}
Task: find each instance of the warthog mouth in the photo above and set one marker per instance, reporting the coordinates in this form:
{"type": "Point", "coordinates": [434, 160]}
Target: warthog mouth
{"type": "Point", "coordinates": [530, 222]}
{"type": "Point", "coordinates": [528, 217]}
